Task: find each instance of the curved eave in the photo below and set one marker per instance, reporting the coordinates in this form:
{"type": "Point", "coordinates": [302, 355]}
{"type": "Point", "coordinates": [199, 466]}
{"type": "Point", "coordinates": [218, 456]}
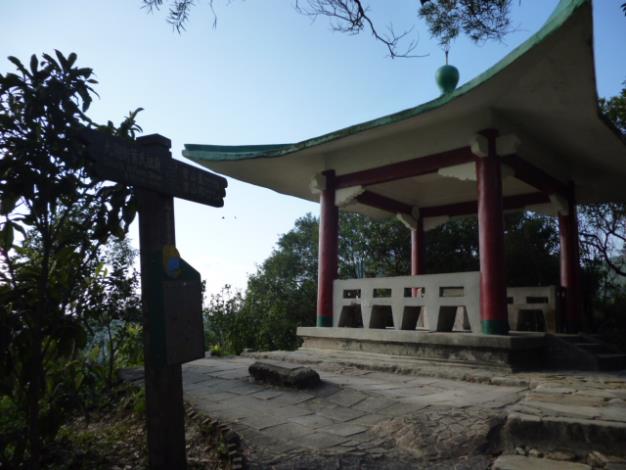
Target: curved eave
{"type": "Point", "coordinates": [544, 92]}
{"type": "Point", "coordinates": [204, 153]}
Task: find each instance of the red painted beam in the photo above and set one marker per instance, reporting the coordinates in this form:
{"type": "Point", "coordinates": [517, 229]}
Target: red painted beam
{"type": "Point", "coordinates": [471, 207]}
{"type": "Point", "coordinates": [458, 208]}
{"type": "Point", "coordinates": [520, 201]}
{"type": "Point", "coordinates": [383, 202]}
{"type": "Point", "coordinates": [536, 177]}
{"type": "Point", "coordinates": [406, 169]}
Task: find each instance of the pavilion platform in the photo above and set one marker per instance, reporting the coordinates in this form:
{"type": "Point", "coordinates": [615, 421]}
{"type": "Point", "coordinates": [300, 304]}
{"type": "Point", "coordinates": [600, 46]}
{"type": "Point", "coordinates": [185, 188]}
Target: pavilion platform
{"type": "Point", "coordinates": [390, 349]}
{"type": "Point", "coordinates": [519, 351]}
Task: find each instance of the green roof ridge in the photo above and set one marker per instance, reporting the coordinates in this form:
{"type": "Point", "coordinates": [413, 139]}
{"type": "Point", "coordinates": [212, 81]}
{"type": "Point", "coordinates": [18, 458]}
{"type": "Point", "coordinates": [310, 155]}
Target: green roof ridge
{"type": "Point", "coordinates": [199, 153]}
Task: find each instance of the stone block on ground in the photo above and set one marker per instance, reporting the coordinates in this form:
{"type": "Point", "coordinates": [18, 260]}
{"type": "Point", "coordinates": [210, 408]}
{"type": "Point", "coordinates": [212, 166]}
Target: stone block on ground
{"type": "Point", "coordinates": [296, 377]}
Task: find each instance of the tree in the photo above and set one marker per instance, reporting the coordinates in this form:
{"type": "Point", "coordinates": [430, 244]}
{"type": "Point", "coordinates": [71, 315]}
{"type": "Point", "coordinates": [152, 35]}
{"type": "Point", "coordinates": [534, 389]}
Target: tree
{"type": "Point", "coordinates": [369, 248]}
{"type": "Point", "coordinates": [614, 108]}
{"type": "Point", "coordinates": [111, 307]}
{"type": "Point", "coordinates": [480, 20]}
{"type": "Point", "coordinates": [531, 250]}
{"type": "Point", "coordinates": [220, 322]}
{"type": "Point", "coordinates": [281, 294]}
{"type": "Point", "coordinates": [61, 214]}
{"type": "Point", "coordinates": [446, 19]}
{"type": "Point", "coordinates": [603, 234]}
{"type": "Point", "coordinates": [452, 247]}
{"type": "Point", "coordinates": [603, 226]}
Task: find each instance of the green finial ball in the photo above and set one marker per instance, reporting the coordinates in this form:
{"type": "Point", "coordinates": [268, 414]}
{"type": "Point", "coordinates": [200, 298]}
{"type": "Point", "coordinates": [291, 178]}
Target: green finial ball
{"type": "Point", "coordinates": [447, 77]}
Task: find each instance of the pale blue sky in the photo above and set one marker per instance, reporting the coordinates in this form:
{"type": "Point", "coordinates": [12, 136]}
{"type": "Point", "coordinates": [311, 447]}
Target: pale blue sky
{"type": "Point", "coordinates": [265, 75]}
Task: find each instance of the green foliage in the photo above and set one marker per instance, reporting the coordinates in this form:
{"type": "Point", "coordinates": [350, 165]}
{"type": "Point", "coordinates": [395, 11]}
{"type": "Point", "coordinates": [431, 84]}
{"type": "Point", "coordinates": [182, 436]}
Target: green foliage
{"type": "Point", "coordinates": [531, 247]}
{"type": "Point", "coordinates": [221, 322]}
{"type": "Point", "coordinates": [479, 19]}
{"type": "Point", "coordinates": [216, 350]}
{"type": "Point", "coordinates": [281, 294]}
{"type": "Point", "coordinates": [603, 234]}
{"type": "Point", "coordinates": [13, 428]}
{"type": "Point", "coordinates": [54, 218]}
{"type": "Point", "coordinates": [452, 247]}
{"type": "Point", "coordinates": [112, 309]}
{"type": "Point", "coordinates": [603, 226]}
{"type": "Point", "coordinates": [138, 402]}
{"type": "Point", "coordinates": [368, 248]}
{"type": "Point", "coordinates": [615, 108]}
{"type": "Point", "coordinates": [129, 345]}
{"type": "Point", "coordinates": [531, 250]}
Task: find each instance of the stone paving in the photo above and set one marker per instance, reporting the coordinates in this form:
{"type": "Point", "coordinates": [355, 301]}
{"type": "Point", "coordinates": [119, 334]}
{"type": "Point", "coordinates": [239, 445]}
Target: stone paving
{"type": "Point", "coordinates": [357, 418]}
{"type": "Point", "coordinates": [361, 418]}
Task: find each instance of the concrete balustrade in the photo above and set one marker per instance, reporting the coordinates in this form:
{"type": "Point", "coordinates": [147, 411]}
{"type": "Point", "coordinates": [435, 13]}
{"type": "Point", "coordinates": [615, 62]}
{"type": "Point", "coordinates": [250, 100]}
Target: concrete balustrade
{"type": "Point", "coordinates": [528, 307]}
{"type": "Point", "coordinates": [398, 301]}
{"type": "Point", "coordinates": [436, 302]}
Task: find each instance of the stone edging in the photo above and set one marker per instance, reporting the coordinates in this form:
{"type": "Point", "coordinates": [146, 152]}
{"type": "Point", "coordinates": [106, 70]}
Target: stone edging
{"type": "Point", "coordinates": [220, 436]}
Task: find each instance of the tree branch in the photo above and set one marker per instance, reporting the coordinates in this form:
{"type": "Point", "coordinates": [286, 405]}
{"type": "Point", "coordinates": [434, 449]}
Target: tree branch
{"type": "Point", "coordinates": [352, 18]}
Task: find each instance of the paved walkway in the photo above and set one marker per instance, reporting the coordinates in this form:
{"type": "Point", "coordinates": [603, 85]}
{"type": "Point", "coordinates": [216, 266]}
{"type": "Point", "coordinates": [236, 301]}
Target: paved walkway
{"type": "Point", "coordinates": [372, 419]}
{"type": "Point", "coordinates": [356, 419]}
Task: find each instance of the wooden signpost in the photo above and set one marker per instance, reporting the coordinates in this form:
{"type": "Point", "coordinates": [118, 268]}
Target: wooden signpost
{"type": "Point", "coordinates": [132, 163]}
{"type": "Point", "coordinates": [170, 288]}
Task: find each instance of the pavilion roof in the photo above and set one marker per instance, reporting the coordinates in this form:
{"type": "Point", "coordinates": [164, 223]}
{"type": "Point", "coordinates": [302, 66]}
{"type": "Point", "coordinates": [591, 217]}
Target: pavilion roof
{"type": "Point", "coordinates": [544, 92]}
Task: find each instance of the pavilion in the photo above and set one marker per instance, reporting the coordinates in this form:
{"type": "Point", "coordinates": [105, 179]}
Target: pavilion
{"type": "Point", "coordinates": [527, 134]}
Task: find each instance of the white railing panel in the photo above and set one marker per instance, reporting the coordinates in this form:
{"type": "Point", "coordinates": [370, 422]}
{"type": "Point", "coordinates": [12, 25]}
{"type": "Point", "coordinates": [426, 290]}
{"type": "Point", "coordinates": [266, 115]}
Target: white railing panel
{"type": "Point", "coordinates": [434, 292]}
{"type": "Point", "coordinates": [437, 295]}
{"type": "Point", "coordinates": [532, 298]}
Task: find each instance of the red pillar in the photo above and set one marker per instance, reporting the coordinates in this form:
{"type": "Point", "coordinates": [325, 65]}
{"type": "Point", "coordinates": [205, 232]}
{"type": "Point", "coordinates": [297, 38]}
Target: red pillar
{"type": "Point", "coordinates": [417, 252]}
{"type": "Point", "coordinates": [570, 267]}
{"type": "Point", "coordinates": [417, 248]}
{"type": "Point", "coordinates": [493, 307]}
{"type": "Point", "coordinates": [327, 253]}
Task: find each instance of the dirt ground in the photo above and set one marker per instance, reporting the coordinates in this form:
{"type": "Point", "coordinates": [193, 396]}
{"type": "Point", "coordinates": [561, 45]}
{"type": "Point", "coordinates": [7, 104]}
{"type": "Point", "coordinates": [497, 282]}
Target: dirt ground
{"type": "Point", "coordinates": [115, 438]}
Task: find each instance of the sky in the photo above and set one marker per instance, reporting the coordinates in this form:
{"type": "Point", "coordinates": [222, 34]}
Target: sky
{"type": "Point", "coordinates": [263, 75]}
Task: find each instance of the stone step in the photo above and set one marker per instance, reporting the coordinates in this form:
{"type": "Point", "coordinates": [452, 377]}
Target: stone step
{"type": "Point", "coordinates": [521, 462]}
{"type": "Point", "coordinates": [575, 434]}
{"type": "Point", "coordinates": [611, 361]}
{"type": "Point", "coordinates": [570, 338]}
{"type": "Point", "coordinates": [583, 352]}
{"type": "Point", "coordinates": [593, 348]}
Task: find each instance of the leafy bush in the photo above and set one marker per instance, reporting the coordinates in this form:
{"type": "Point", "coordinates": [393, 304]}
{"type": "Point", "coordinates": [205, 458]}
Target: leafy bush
{"type": "Point", "coordinates": [220, 322]}
{"type": "Point", "coordinates": [54, 218]}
